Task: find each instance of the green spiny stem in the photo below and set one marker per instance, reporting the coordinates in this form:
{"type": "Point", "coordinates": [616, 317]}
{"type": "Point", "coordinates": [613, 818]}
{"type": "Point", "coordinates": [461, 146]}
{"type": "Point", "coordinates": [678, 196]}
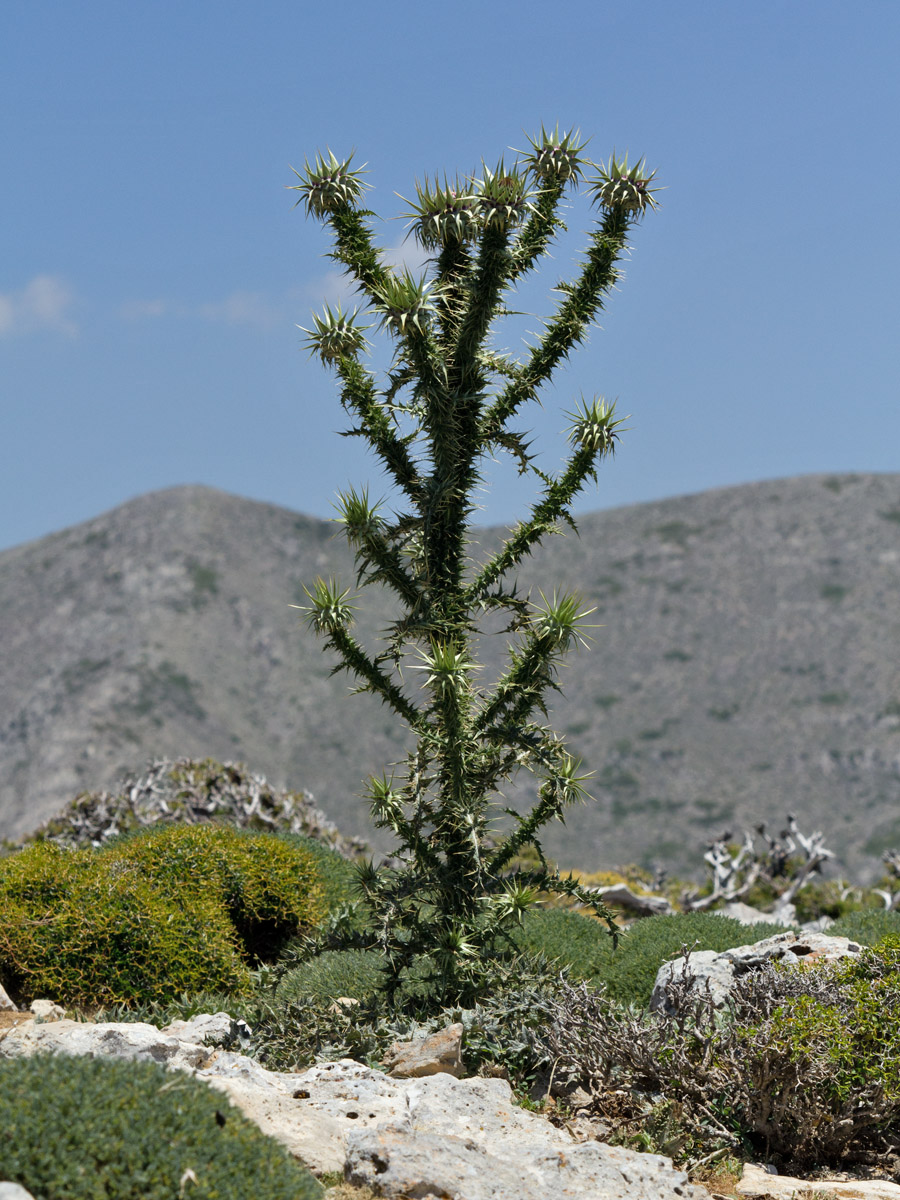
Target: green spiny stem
{"type": "Point", "coordinates": [545, 810]}
{"type": "Point", "coordinates": [583, 301]}
{"type": "Point", "coordinates": [359, 395]}
{"type": "Point", "coordinates": [544, 519]}
{"type": "Point", "coordinates": [539, 229]}
{"type": "Point", "coordinates": [378, 559]}
{"type": "Point", "coordinates": [567, 885]}
{"type": "Point", "coordinates": [490, 271]}
{"type": "Point", "coordinates": [355, 248]}
{"type": "Point", "coordinates": [453, 264]}
{"type": "Point", "coordinates": [355, 660]}
{"type": "Point", "coordinates": [519, 692]}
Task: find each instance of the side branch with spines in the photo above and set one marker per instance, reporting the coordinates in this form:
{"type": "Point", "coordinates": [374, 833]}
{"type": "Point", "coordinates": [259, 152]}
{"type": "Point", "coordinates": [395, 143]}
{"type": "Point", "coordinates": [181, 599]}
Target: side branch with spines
{"type": "Point", "coordinates": [583, 301]}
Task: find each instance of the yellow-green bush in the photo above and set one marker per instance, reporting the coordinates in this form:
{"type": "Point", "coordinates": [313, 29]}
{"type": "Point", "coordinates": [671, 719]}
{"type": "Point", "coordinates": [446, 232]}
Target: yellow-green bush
{"type": "Point", "coordinates": [172, 910]}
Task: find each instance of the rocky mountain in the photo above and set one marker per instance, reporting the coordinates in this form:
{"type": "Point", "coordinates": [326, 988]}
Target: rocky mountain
{"type": "Point", "coordinates": [745, 663]}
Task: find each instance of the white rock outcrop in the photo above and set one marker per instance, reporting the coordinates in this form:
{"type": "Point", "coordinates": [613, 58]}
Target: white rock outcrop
{"type": "Point", "coordinates": [757, 1184]}
{"type": "Point", "coordinates": [436, 1136]}
{"type": "Point", "coordinates": [112, 1039]}
{"type": "Point", "coordinates": [718, 969]}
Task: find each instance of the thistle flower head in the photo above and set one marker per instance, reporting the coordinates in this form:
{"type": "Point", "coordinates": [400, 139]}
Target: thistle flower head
{"type": "Point", "coordinates": [359, 516]}
{"type": "Point", "coordinates": [564, 785]}
{"type": "Point", "coordinates": [503, 196]}
{"type": "Point", "coordinates": [515, 900]}
{"type": "Point", "coordinates": [443, 213]}
{"type": "Point", "coordinates": [327, 184]}
{"type": "Point", "coordinates": [623, 188]}
{"type": "Point", "coordinates": [448, 667]}
{"type": "Point", "coordinates": [334, 335]}
{"type": "Point", "coordinates": [403, 301]}
{"type": "Point", "coordinates": [560, 622]}
{"type": "Point", "coordinates": [595, 426]}
{"type": "Point", "coordinates": [328, 610]}
{"type": "Point", "coordinates": [386, 802]}
{"type": "Point", "coordinates": [555, 157]}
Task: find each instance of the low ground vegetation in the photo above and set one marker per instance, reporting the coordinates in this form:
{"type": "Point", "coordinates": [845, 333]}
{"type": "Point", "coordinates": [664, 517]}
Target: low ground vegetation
{"type": "Point", "coordinates": [82, 1128]}
{"type": "Point", "coordinates": [802, 1068]}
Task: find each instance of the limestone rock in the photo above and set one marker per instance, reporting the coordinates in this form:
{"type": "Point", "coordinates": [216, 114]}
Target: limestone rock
{"type": "Point", "coordinates": [438, 1053]}
{"type": "Point", "coordinates": [14, 1191]}
{"type": "Point", "coordinates": [718, 969]}
{"type": "Point", "coordinates": [113, 1039]}
{"type": "Point", "coordinates": [216, 1026]}
{"type": "Point", "coordinates": [5, 1002]}
{"type": "Point", "coordinates": [313, 1112]}
{"type": "Point", "coordinates": [757, 1183]}
{"type": "Point", "coordinates": [399, 1163]}
{"type": "Point", "coordinates": [467, 1139]}
{"type": "Point", "coordinates": [47, 1010]}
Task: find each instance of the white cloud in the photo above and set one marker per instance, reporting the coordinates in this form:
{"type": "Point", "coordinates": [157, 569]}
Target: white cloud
{"type": "Point", "coordinates": [136, 310]}
{"type": "Point", "coordinates": [252, 309]}
{"type": "Point", "coordinates": [244, 308]}
{"type": "Point", "coordinates": [44, 303]}
{"type": "Point", "coordinates": [409, 255]}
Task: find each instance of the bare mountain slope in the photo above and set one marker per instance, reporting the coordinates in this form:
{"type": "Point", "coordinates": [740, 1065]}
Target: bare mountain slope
{"type": "Point", "coordinates": [747, 663]}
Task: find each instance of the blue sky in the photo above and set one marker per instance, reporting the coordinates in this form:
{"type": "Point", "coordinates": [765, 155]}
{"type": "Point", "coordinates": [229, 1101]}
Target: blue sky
{"type": "Point", "coordinates": [154, 272]}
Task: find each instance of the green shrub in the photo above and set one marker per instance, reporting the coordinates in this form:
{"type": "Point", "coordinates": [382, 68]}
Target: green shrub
{"type": "Point", "coordinates": [81, 1129]}
{"type": "Point", "coordinates": [868, 926]}
{"type": "Point", "coordinates": [336, 874]}
{"type": "Point", "coordinates": [353, 973]}
{"type": "Point", "coordinates": [816, 1076]}
{"type": "Point", "coordinates": [629, 971]}
{"type": "Point", "coordinates": [580, 942]}
{"type": "Point", "coordinates": [175, 909]}
{"type": "Point", "coordinates": [267, 887]}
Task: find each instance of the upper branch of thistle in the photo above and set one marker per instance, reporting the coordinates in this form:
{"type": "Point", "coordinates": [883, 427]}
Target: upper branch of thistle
{"type": "Point", "coordinates": [504, 200]}
{"type": "Point", "coordinates": [562, 787]}
{"type": "Point", "coordinates": [360, 396]}
{"type": "Point", "coordinates": [553, 628]}
{"type": "Point", "coordinates": [555, 162]}
{"type": "Point", "coordinates": [583, 300]}
{"type": "Point", "coordinates": [331, 190]}
{"type": "Point", "coordinates": [377, 555]}
{"type": "Point", "coordinates": [330, 614]}
{"type": "Point", "coordinates": [535, 237]}
{"type": "Point", "coordinates": [594, 433]}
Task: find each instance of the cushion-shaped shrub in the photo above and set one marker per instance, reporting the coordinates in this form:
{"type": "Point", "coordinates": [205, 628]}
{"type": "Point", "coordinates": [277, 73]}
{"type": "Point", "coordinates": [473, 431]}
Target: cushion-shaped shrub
{"type": "Point", "coordinates": [353, 973]}
{"type": "Point", "coordinates": [629, 971]}
{"type": "Point", "coordinates": [336, 873]}
{"type": "Point", "coordinates": [868, 926]}
{"type": "Point", "coordinates": [173, 910]}
{"type": "Point", "coordinates": [268, 887]}
{"type": "Point", "coordinates": [580, 942]}
{"type": "Point", "coordinates": [79, 1129]}
{"type": "Point", "coordinates": [651, 942]}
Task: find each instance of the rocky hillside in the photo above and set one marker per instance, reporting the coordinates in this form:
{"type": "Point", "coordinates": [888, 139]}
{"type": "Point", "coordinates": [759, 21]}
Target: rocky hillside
{"type": "Point", "coordinates": [746, 664]}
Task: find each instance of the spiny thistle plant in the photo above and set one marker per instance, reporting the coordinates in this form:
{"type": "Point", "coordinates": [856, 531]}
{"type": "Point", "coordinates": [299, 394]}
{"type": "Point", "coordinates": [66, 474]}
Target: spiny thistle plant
{"type": "Point", "coordinates": [444, 409]}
